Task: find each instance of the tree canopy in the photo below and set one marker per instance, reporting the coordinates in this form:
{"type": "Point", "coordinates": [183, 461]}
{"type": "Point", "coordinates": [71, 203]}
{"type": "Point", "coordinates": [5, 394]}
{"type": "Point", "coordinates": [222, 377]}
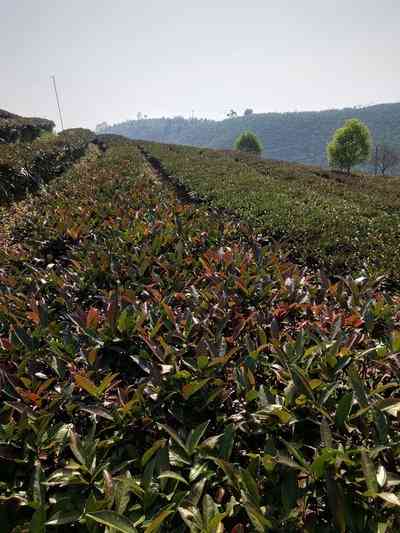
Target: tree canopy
{"type": "Point", "coordinates": [351, 145]}
{"type": "Point", "coordinates": [248, 142]}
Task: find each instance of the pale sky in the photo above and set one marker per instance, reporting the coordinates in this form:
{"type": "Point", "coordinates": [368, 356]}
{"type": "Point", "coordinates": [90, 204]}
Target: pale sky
{"type": "Point", "coordinates": [114, 58]}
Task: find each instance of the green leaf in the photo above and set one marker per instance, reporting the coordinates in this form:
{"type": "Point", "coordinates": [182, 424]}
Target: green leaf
{"type": "Point", "coordinates": [228, 470]}
{"type": "Point", "coordinates": [195, 437]}
{"type": "Point", "coordinates": [191, 388]}
{"type": "Point", "coordinates": [226, 446]}
{"type": "Point", "coordinates": [289, 489]}
{"type": "Point", "coordinates": [301, 382]}
{"type": "Point", "coordinates": [76, 447]}
{"type": "Point", "coordinates": [114, 520]}
{"type": "Point", "coordinates": [147, 475]}
{"type": "Point", "coordinates": [369, 472]}
{"type": "Point", "coordinates": [157, 521]}
{"type": "Point", "coordinates": [260, 523]}
{"type": "Point", "coordinates": [293, 449]}
{"type": "Point", "coordinates": [37, 487]}
{"type": "Point", "coordinates": [174, 437]}
{"type": "Point", "coordinates": [105, 383]}
{"type": "Point", "coordinates": [250, 487]}
{"type": "Point", "coordinates": [196, 492]}
{"type": "Point", "coordinates": [210, 509]}
{"type": "Point", "coordinates": [63, 517]}
{"type": "Point", "coordinates": [191, 519]}
{"type": "Point", "coordinates": [336, 503]}
{"type": "Point", "coordinates": [343, 409]}
{"type": "Point", "coordinates": [38, 521]}
{"type": "Point", "coordinates": [196, 470]}
{"type": "Point", "coordinates": [151, 451]}
{"type": "Point", "coordinates": [173, 475]}
{"type": "Point", "coordinates": [358, 387]}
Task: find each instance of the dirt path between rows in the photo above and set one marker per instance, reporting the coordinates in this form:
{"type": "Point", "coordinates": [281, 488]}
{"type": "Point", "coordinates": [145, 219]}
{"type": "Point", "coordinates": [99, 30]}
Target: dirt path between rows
{"type": "Point", "coordinates": [156, 167]}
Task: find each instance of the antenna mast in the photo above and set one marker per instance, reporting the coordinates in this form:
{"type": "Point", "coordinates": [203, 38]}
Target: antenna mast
{"type": "Point", "coordinates": [58, 101]}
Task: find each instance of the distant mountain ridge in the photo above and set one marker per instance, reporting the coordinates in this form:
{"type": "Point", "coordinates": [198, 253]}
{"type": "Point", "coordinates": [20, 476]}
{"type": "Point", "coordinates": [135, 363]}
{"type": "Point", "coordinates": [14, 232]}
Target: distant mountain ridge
{"type": "Point", "coordinates": [295, 136]}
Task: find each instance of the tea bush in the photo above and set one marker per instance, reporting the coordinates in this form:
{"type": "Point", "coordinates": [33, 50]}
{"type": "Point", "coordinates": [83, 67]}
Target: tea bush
{"type": "Point", "coordinates": [162, 369]}
{"type": "Point", "coordinates": [323, 219]}
{"type": "Point", "coordinates": [14, 128]}
{"type": "Point", "coordinates": [24, 167]}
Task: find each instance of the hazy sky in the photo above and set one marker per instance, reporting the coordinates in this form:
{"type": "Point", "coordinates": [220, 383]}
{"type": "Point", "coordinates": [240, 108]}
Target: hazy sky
{"type": "Point", "coordinates": [113, 58]}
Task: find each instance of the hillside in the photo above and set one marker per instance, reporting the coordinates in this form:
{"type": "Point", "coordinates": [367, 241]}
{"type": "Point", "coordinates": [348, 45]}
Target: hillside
{"type": "Point", "coordinates": [14, 128]}
{"type": "Point", "coordinates": [164, 367]}
{"type": "Point", "coordinates": [298, 137]}
{"type": "Point", "coordinates": [324, 219]}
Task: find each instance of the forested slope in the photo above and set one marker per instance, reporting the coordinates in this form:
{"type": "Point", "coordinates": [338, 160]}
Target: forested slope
{"type": "Point", "coordinates": [288, 136]}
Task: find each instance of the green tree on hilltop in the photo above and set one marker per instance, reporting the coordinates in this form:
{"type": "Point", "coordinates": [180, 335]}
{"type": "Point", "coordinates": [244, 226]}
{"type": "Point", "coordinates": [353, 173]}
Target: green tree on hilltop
{"type": "Point", "coordinates": [248, 142]}
{"type": "Point", "coordinates": [350, 145]}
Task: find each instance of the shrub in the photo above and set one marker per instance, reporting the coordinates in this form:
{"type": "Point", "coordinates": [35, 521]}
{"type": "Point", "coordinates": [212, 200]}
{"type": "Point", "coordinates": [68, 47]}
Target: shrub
{"type": "Point", "coordinates": [248, 142]}
{"type": "Point", "coordinates": [350, 145]}
{"type": "Point", "coordinates": [163, 370]}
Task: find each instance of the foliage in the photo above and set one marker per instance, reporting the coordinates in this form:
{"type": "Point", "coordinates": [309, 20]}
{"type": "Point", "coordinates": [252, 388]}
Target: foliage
{"type": "Point", "coordinates": [351, 145]}
{"type": "Point", "coordinates": [248, 142]}
{"type": "Point", "coordinates": [248, 112]}
{"type": "Point", "coordinates": [298, 136]}
{"type": "Point", "coordinates": [26, 166]}
{"type": "Point", "coordinates": [322, 218]}
{"type": "Point", "coordinates": [162, 369]}
{"type": "Point", "coordinates": [14, 128]}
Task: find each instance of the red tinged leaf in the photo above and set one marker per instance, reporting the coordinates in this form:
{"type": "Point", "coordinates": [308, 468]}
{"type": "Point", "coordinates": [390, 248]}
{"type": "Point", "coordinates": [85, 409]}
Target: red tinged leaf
{"type": "Point", "coordinates": [5, 344]}
{"type": "Point", "coordinates": [74, 232]}
{"type": "Point", "coordinates": [281, 312]}
{"type": "Point", "coordinates": [169, 312]}
{"type": "Point", "coordinates": [29, 396]}
{"type": "Point", "coordinates": [354, 321]}
{"type": "Point", "coordinates": [34, 317]}
{"type": "Point", "coordinates": [92, 318]}
{"type": "Point", "coordinates": [112, 310]}
{"type": "Point", "coordinates": [239, 528]}
{"type": "Point", "coordinates": [86, 384]}
{"type": "Point", "coordinates": [34, 314]}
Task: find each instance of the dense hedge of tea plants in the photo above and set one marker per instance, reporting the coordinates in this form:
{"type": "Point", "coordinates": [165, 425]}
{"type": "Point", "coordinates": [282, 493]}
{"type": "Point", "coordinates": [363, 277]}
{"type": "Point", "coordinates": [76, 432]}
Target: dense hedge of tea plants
{"type": "Point", "coordinates": [163, 370]}
{"type": "Point", "coordinates": [25, 166]}
{"type": "Point", "coordinates": [14, 128]}
{"type": "Point", "coordinates": [324, 218]}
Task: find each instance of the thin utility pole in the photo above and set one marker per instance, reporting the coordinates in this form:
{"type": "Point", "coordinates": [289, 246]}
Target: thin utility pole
{"type": "Point", "coordinates": [58, 101]}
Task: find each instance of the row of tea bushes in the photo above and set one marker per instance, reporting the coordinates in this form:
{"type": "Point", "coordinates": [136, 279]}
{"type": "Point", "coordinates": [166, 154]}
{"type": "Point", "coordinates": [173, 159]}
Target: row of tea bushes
{"type": "Point", "coordinates": [14, 128]}
{"type": "Point", "coordinates": [163, 370]}
{"type": "Point", "coordinates": [24, 167]}
{"type": "Point", "coordinates": [322, 218]}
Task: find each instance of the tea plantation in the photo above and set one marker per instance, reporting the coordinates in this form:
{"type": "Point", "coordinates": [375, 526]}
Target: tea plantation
{"type": "Point", "coordinates": [325, 219]}
{"type": "Point", "coordinates": [165, 367]}
{"type": "Point", "coordinates": [25, 166]}
{"type": "Point", "coordinates": [14, 128]}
